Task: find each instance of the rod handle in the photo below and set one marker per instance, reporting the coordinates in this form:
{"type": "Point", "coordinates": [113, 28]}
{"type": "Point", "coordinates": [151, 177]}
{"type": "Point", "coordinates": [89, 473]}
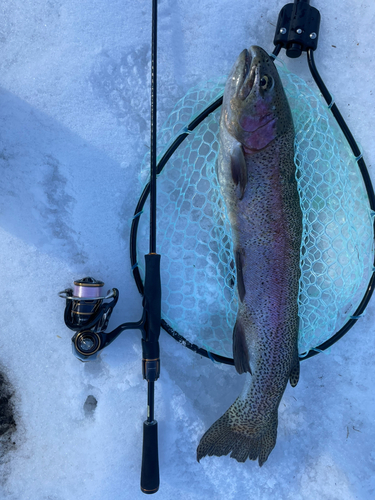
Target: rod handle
{"type": "Point", "coordinates": [152, 298]}
{"type": "Point", "coordinates": [150, 458]}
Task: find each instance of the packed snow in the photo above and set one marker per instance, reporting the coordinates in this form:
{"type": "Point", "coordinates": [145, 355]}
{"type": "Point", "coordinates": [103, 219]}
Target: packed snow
{"type": "Point", "coordinates": [74, 114]}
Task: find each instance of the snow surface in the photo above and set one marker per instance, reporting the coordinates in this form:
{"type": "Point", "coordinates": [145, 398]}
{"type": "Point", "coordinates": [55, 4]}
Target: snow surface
{"type": "Point", "coordinates": [74, 112]}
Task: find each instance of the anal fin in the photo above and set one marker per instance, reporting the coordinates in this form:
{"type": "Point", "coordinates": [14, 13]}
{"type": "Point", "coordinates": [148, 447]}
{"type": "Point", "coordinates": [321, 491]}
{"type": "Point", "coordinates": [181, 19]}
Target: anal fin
{"type": "Point", "coordinates": [240, 351]}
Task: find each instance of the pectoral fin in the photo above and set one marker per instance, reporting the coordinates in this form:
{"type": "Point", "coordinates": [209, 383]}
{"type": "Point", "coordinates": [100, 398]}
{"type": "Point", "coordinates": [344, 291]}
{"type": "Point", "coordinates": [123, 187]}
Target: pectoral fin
{"type": "Point", "coordinates": [239, 170]}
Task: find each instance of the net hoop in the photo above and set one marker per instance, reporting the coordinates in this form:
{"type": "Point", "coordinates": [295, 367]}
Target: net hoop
{"type": "Point", "coordinates": [174, 144]}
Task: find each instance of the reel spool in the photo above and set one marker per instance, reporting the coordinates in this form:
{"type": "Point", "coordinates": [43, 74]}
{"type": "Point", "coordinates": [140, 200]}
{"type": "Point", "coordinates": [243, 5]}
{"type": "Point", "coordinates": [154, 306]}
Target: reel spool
{"type": "Point", "coordinates": [82, 309]}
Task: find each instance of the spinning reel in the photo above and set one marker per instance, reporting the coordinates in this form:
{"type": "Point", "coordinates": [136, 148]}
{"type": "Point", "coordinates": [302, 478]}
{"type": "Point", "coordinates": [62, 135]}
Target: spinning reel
{"type": "Point", "coordinates": [88, 310]}
{"type": "Point", "coordinates": [87, 313]}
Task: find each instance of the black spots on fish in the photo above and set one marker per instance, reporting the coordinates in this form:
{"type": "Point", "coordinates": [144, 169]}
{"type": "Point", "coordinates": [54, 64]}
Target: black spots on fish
{"type": "Point", "coordinates": [294, 372]}
{"type": "Point", "coordinates": [240, 351]}
{"type": "Point", "coordinates": [239, 170]}
{"type": "Point", "coordinates": [240, 282]}
{"type": "Point", "coordinates": [239, 435]}
{"type": "Point", "coordinates": [217, 440]}
{"type": "Point", "coordinates": [268, 441]}
{"type": "Point", "coordinates": [294, 376]}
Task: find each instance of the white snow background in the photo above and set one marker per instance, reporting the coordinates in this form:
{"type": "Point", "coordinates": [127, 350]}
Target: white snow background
{"type": "Point", "coordinates": [74, 127]}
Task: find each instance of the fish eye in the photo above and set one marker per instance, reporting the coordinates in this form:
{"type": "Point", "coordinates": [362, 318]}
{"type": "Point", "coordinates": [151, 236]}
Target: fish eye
{"type": "Point", "coordinates": [266, 82]}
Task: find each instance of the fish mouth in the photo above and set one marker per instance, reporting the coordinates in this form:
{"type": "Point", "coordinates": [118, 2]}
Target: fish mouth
{"type": "Point", "coordinates": [248, 74]}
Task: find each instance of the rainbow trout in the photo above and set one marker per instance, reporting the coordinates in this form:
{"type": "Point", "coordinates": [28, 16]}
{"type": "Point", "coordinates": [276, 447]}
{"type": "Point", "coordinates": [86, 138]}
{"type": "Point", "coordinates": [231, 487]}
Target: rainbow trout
{"type": "Point", "coordinates": [256, 173]}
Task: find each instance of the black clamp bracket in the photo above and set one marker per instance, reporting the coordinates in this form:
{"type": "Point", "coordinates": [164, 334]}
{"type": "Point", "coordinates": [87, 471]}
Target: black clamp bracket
{"type": "Point", "coordinates": [297, 28]}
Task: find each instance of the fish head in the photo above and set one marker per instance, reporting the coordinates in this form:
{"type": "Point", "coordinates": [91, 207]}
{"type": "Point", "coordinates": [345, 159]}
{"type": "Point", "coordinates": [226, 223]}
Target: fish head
{"type": "Point", "coordinates": [255, 108]}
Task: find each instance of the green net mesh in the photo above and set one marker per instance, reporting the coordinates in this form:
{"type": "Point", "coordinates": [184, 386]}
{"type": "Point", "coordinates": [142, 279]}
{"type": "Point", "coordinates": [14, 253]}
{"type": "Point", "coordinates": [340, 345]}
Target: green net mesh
{"type": "Point", "coordinates": [199, 297]}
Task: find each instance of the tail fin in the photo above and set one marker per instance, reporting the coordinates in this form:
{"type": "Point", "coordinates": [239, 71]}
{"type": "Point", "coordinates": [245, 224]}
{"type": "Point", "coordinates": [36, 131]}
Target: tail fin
{"type": "Point", "coordinates": [239, 437]}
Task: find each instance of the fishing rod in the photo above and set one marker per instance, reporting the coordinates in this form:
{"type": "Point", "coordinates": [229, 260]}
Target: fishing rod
{"type": "Point", "coordinates": [88, 310]}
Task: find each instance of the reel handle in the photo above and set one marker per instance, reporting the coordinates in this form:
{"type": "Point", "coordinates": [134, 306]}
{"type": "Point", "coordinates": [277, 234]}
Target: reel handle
{"type": "Point", "coordinates": [150, 458]}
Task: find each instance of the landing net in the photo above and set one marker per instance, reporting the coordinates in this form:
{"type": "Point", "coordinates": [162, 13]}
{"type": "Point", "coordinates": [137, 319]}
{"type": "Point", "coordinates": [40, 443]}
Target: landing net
{"type": "Point", "coordinates": [199, 290]}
